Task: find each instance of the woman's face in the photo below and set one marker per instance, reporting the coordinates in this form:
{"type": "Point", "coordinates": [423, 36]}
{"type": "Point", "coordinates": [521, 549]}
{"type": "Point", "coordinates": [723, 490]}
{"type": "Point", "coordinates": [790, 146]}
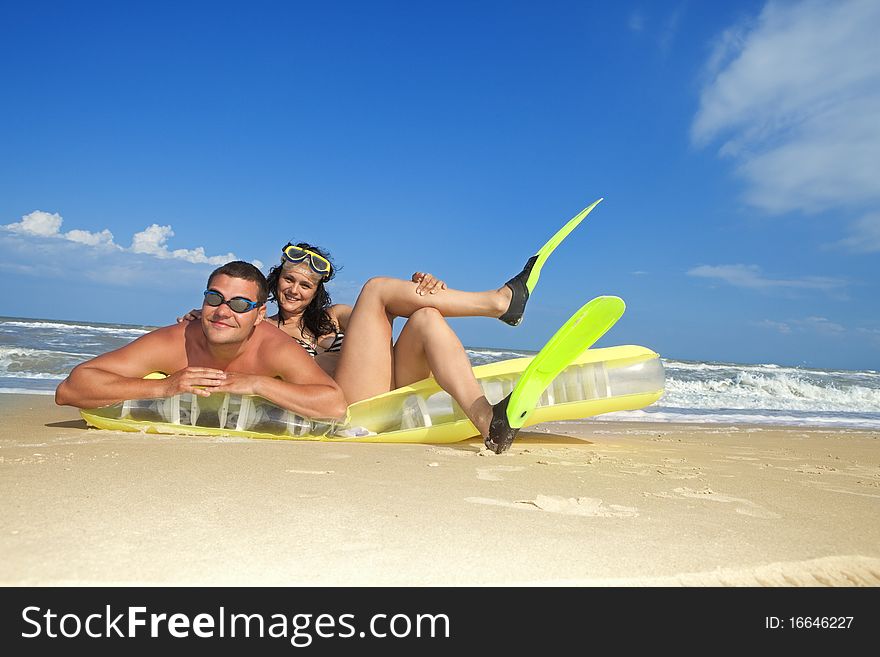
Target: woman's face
{"type": "Point", "coordinates": [297, 286]}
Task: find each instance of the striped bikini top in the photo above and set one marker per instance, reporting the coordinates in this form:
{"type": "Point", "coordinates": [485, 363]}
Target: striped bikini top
{"type": "Point", "coordinates": [336, 345]}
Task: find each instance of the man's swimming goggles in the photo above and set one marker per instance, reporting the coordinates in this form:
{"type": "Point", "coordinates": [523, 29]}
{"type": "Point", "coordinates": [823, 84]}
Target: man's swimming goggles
{"type": "Point", "coordinates": [318, 263]}
{"type": "Point", "coordinates": [236, 304]}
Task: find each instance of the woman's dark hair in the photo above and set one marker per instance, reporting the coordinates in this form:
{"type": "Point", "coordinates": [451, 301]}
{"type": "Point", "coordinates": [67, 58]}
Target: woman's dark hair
{"type": "Point", "coordinates": [315, 318]}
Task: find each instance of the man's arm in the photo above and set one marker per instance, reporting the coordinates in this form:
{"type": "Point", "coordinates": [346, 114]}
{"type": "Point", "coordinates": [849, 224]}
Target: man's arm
{"type": "Point", "coordinates": [118, 375]}
{"type": "Point", "coordinates": [303, 387]}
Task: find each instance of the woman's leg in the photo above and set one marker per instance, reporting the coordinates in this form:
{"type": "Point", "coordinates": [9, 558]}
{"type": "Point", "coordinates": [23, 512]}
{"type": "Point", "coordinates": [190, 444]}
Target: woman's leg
{"type": "Point", "coordinates": [369, 366]}
{"type": "Point", "coordinates": [366, 364]}
{"type": "Point", "coordinates": [399, 298]}
{"type": "Point", "coordinates": [428, 346]}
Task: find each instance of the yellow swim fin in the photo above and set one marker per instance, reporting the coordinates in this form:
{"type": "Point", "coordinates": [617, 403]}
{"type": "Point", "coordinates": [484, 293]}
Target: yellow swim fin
{"type": "Point", "coordinates": [523, 284]}
{"type": "Point", "coordinates": [581, 331]}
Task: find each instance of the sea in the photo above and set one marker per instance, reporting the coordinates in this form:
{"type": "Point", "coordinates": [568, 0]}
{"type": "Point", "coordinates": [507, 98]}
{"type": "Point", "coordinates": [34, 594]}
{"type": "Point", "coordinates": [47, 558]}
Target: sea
{"type": "Point", "coordinates": [36, 354]}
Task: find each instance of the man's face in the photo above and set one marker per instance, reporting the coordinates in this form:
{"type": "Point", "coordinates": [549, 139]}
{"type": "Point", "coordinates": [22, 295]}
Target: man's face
{"type": "Point", "coordinates": [221, 324]}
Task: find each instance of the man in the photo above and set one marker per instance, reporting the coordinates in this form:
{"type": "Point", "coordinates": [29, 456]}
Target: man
{"type": "Point", "coordinates": [231, 349]}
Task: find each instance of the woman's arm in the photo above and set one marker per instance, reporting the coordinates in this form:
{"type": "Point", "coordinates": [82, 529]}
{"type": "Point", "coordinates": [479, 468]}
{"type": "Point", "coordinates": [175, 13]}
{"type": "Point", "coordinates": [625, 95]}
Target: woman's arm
{"type": "Point", "coordinates": [427, 283]}
{"type": "Point", "coordinates": [195, 313]}
{"type": "Point", "coordinates": [340, 313]}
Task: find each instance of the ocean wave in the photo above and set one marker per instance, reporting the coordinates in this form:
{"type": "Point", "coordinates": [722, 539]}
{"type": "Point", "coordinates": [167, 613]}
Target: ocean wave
{"type": "Point", "coordinates": [38, 363]}
{"type": "Point", "coordinates": [36, 354]}
{"type": "Point", "coordinates": [82, 328]}
{"type": "Point", "coordinates": [36, 376]}
{"type": "Point", "coordinates": [486, 356]}
{"type": "Point", "coordinates": [25, 391]}
{"type": "Point", "coordinates": [686, 366]}
{"type": "Point", "coordinates": [701, 369]}
{"type": "Point", "coordinates": [831, 421]}
{"type": "Point", "coordinates": [747, 390]}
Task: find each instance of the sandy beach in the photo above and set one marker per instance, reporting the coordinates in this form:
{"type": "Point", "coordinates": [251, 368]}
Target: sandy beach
{"type": "Point", "coordinates": [572, 504]}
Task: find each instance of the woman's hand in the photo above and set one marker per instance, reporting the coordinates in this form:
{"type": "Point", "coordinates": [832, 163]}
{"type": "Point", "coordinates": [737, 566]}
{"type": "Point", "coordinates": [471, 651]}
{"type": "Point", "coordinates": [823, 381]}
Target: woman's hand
{"type": "Point", "coordinates": [190, 316]}
{"type": "Point", "coordinates": [427, 283]}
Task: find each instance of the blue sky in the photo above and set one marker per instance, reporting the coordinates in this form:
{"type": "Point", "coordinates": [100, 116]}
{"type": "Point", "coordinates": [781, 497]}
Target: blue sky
{"type": "Point", "coordinates": [737, 147]}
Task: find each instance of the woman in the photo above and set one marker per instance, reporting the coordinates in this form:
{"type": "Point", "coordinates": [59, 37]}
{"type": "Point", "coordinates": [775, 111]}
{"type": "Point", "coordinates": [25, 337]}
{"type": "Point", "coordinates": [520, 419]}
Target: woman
{"type": "Point", "coordinates": [370, 363]}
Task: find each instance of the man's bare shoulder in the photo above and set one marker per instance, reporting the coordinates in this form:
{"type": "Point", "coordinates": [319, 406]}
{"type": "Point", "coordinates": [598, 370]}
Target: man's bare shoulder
{"type": "Point", "coordinates": [172, 332]}
{"type": "Point", "coordinates": [269, 334]}
{"type": "Point", "coordinates": [272, 342]}
{"type": "Point", "coordinates": [162, 349]}
{"type": "Point", "coordinates": [168, 345]}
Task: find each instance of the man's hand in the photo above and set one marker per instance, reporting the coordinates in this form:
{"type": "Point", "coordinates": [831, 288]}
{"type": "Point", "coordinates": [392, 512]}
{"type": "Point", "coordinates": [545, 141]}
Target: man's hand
{"type": "Point", "coordinates": [239, 384]}
{"type": "Point", "coordinates": [200, 381]}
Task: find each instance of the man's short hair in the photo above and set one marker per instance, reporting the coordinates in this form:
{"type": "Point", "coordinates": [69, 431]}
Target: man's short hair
{"type": "Point", "coordinates": [245, 271]}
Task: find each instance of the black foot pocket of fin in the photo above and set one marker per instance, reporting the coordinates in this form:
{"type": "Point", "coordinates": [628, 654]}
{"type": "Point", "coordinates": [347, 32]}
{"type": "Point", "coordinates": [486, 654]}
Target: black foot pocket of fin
{"type": "Point", "coordinates": [520, 296]}
{"type": "Point", "coordinates": [501, 434]}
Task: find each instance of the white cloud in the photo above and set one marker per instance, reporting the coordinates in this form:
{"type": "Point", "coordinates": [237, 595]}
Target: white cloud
{"type": "Point", "coordinates": [872, 334]}
{"type": "Point", "coordinates": [864, 234]}
{"type": "Point", "coordinates": [92, 239]}
{"type": "Point", "coordinates": [38, 223]}
{"type": "Point", "coordinates": [663, 31]}
{"type": "Point", "coordinates": [16, 268]}
{"type": "Point", "coordinates": [152, 241]}
{"type": "Point", "coordinates": [820, 325]}
{"type": "Point", "coordinates": [794, 99]}
{"type": "Point", "coordinates": [636, 21]}
{"type": "Point", "coordinates": [782, 327]}
{"type": "Point", "coordinates": [44, 224]}
{"type": "Point", "coordinates": [669, 29]}
{"type": "Point", "coordinates": [751, 276]}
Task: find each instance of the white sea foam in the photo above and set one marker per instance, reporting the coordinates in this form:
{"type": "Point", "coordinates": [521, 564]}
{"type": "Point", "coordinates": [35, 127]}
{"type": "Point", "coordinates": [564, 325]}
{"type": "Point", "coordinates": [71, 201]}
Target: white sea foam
{"type": "Point", "coordinates": [685, 366]}
{"type": "Point", "coordinates": [853, 421]}
{"type": "Point", "coordinates": [26, 352]}
{"type": "Point", "coordinates": [747, 390]}
{"type": "Point", "coordinates": [24, 391]}
{"type": "Point", "coordinates": [26, 363]}
{"type": "Point", "coordinates": [499, 354]}
{"type": "Point", "coordinates": [763, 394]}
{"type": "Point", "coordinates": [81, 328]}
{"type": "Point", "coordinates": [485, 356]}
{"type": "Point", "coordinates": [36, 376]}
